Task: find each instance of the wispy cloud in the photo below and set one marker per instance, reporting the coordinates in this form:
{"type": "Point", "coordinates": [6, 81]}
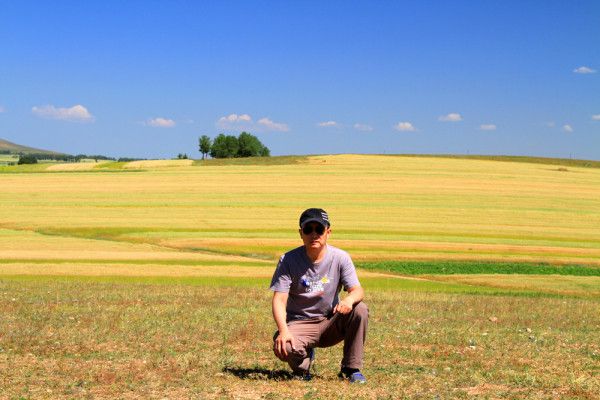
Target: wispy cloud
{"type": "Point", "coordinates": [550, 124]}
{"type": "Point", "coordinates": [487, 127]}
{"type": "Point", "coordinates": [233, 119]}
{"type": "Point", "coordinates": [273, 126]}
{"type": "Point", "coordinates": [584, 70]}
{"type": "Point", "coordinates": [161, 123]}
{"type": "Point", "coordinates": [245, 121]}
{"type": "Point", "coordinates": [363, 127]}
{"type": "Point", "coordinates": [328, 124]}
{"type": "Point", "coordinates": [405, 127]}
{"type": "Point", "coordinates": [452, 117]}
{"type": "Point", "coordinates": [77, 113]}
{"type": "Point", "coordinates": [567, 128]}
{"type": "Point", "coordinates": [2, 109]}
{"type": "Point", "coordinates": [596, 117]}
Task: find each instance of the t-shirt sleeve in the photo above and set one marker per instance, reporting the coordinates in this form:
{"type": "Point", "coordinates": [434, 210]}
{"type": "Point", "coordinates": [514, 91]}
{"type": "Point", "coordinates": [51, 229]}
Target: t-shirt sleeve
{"type": "Point", "coordinates": [348, 276]}
{"type": "Point", "coordinates": [282, 280]}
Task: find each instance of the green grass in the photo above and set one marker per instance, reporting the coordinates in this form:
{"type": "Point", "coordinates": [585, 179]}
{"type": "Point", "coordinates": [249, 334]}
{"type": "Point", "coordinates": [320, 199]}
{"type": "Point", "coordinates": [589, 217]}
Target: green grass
{"type": "Point", "coordinates": [8, 158]}
{"type": "Point", "coordinates": [459, 267]}
{"type": "Point", "coordinates": [277, 160]}
{"type": "Point", "coordinates": [111, 165]}
{"type": "Point", "coordinates": [24, 168]}
{"type": "Point", "coordinates": [371, 284]}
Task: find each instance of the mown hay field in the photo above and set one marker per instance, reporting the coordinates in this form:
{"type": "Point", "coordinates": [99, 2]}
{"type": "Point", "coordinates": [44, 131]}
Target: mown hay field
{"type": "Point", "coordinates": [149, 279]}
{"type": "Point", "coordinates": [383, 207]}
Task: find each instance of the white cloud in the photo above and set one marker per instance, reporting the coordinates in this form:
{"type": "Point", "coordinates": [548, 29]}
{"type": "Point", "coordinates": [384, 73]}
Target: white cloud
{"type": "Point", "coordinates": [487, 127]}
{"type": "Point", "coordinates": [363, 127]}
{"type": "Point", "coordinates": [234, 121]}
{"type": "Point", "coordinates": [596, 117]}
{"type": "Point", "coordinates": [273, 126]}
{"type": "Point", "coordinates": [550, 124]}
{"type": "Point", "coordinates": [236, 118]}
{"type": "Point", "coordinates": [452, 117]}
{"type": "Point", "coordinates": [328, 124]}
{"type": "Point", "coordinates": [584, 70]}
{"type": "Point", "coordinates": [2, 109]}
{"type": "Point", "coordinates": [567, 128]}
{"type": "Point", "coordinates": [405, 127]}
{"type": "Point", "coordinates": [161, 122]}
{"type": "Point", "coordinates": [76, 113]}
{"type": "Point", "coordinates": [245, 122]}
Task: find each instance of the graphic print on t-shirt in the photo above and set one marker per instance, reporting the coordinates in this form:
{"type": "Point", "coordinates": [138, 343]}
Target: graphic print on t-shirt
{"type": "Point", "coordinates": [314, 285]}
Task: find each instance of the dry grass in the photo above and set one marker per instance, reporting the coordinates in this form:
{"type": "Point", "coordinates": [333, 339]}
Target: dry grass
{"type": "Point", "coordinates": [26, 245]}
{"type": "Point", "coordinates": [80, 166]}
{"type": "Point", "coordinates": [152, 283]}
{"type": "Point", "coordinates": [419, 208]}
{"type": "Point", "coordinates": [61, 340]}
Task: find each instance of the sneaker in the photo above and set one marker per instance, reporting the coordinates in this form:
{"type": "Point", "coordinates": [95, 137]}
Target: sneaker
{"type": "Point", "coordinates": [302, 376]}
{"type": "Point", "coordinates": [354, 376]}
{"type": "Point", "coordinates": [306, 375]}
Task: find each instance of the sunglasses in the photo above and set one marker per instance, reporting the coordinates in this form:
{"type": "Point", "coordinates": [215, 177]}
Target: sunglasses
{"type": "Point", "coordinates": [308, 229]}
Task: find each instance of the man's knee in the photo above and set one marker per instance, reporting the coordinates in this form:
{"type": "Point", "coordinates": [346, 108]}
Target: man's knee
{"type": "Point", "coordinates": [296, 358]}
{"type": "Point", "coordinates": [361, 311]}
{"type": "Point", "coordinates": [293, 354]}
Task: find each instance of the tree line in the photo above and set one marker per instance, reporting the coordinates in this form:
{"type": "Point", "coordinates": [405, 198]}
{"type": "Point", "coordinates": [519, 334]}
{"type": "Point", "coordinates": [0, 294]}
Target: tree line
{"type": "Point", "coordinates": [229, 146]}
{"type": "Point", "coordinates": [33, 158]}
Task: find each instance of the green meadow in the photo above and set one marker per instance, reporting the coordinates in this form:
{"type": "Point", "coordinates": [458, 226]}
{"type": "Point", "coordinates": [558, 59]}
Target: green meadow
{"type": "Point", "coordinates": [150, 279]}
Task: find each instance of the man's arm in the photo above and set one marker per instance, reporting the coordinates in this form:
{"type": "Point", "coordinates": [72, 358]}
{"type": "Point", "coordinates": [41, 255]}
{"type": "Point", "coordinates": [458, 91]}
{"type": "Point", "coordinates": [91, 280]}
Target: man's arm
{"type": "Point", "coordinates": [279, 305]}
{"type": "Point", "coordinates": [355, 295]}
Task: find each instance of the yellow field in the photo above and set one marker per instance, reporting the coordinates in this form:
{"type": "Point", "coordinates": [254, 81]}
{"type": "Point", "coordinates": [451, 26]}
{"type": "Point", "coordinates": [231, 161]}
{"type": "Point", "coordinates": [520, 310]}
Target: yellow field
{"type": "Point", "coordinates": [80, 166]}
{"type": "Point", "coordinates": [149, 279]}
{"type": "Point", "coordinates": [382, 207]}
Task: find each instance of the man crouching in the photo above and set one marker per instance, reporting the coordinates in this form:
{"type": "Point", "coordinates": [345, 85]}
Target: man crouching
{"type": "Point", "coordinates": [306, 304]}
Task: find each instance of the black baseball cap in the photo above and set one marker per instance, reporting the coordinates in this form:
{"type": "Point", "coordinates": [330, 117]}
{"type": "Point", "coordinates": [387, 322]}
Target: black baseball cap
{"type": "Point", "coordinates": [314, 215]}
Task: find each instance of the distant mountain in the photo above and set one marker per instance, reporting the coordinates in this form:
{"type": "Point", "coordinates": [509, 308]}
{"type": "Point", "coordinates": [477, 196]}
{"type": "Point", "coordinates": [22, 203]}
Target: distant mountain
{"type": "Point", "coordinates": [5, 145]}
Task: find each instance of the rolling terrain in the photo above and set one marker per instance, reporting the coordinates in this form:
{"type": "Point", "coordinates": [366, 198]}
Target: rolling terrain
{"type": "Point", "coordinates": [150, 279]}
{"type": "Point", "coordinates": [13, 148]}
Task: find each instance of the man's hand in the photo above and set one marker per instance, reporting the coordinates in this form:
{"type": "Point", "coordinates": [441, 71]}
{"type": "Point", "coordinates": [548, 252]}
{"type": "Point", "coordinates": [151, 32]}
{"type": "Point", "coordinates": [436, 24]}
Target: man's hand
{"type": "Point", "coordinates": [355, 296]}
{"type": "Point", "coordinates": [279, 346]}
{"type": "Point", "coordinates": [343, 307]}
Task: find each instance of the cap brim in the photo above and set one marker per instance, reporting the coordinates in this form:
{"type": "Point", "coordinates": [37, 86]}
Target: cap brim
{"type": "Point", "coordinates": [320, 221]}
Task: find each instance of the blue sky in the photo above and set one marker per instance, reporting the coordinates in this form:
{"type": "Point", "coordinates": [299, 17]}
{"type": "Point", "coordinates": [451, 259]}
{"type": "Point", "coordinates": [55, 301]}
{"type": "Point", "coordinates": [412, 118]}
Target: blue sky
{"type": "Point", "coordinates": [147, 78]}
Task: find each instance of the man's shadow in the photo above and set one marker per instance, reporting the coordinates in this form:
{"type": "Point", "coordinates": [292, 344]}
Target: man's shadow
{"type": "Point", "coordinates": [259, 374]}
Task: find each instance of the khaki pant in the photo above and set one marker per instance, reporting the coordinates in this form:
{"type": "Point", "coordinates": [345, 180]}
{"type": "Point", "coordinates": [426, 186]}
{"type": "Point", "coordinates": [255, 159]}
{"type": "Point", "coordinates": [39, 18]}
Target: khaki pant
{"type": "Point", "coordinates": [326, 332]}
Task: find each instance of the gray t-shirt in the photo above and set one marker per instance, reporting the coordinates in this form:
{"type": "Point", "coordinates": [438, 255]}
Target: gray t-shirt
{"type": "Point", "coordinates": [313, 288]}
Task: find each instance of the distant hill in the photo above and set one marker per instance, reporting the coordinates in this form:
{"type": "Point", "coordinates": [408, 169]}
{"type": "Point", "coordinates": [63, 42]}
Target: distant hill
{"type": "Point", "coordinates": [13, 148]}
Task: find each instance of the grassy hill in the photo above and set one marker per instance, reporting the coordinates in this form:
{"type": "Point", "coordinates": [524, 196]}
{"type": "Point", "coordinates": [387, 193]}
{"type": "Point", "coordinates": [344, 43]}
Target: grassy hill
{"type": "Point", "coordinates": [17, 148]}
{"type": "Point", "coordinates": [151, 277]}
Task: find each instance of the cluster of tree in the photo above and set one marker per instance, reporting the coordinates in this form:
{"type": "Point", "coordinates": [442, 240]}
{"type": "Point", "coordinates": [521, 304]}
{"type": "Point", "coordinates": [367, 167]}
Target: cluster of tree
{"type": "Point", "coordinates": [65, 157]}
{"type": "Point", "coordinates": [27, 159]}
{"type": "Point", "coordinates": [182, 156]}
{"type": "Point", "coordinates": [229, 146]}
{"type": "Point", "coordinates": [129, 159]}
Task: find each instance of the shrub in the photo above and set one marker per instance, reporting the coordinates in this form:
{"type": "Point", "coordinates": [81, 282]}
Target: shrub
{"type": "Point", "coordinates": [27, 159]}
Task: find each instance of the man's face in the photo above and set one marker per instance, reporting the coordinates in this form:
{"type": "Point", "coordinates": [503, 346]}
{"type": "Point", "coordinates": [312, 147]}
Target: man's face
{"type": "Point", "coordinates": [312, 238]}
